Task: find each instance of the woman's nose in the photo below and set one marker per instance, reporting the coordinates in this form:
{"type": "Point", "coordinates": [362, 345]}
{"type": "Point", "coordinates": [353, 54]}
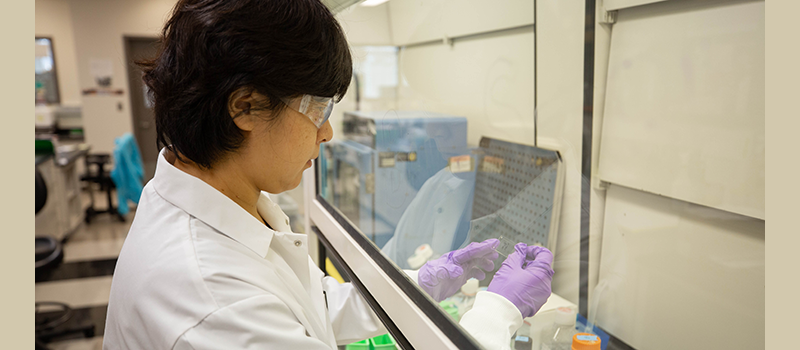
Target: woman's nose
{"type": "Point", "coordinates": [325, 132]}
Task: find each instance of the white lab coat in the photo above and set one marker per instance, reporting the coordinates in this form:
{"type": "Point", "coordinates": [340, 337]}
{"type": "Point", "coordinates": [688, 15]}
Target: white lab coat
{"type": "Point", "coordinates": [198, 272]}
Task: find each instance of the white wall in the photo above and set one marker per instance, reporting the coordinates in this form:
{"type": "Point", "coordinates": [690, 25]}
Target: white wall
{"type": "Point", "coordinates": [53, 20]}
{"type": "Point", "coordinates": [99, 28]}
{"type": "Point", "coordinates": [680, 275]}
{"type": "Point", "coordinates": [676, 273]}
{"type": "Point", "coordinates": [488, 79]}
{"type": "Point", "coordinates": [366, 25]}
{"type": "Point", "coordinates": [685, 99]}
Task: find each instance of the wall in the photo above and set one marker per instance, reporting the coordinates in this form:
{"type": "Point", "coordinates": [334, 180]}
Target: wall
{"type": "Point", "coordinates": [366, 25]}
{"type": "Point", "coordinates": [99, 29]}
{"type": "Point", "coordinates": [678, 274]}
{"type": "Point", "coordinates": [684, 113]}
{"type": "Point", "coordinates": [672, 273]}
{"type": "Point", "coordinates": [53, 20]}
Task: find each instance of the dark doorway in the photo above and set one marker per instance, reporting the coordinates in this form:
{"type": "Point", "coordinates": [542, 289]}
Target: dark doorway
{"type": "Point", "coordinates": [144, 126]}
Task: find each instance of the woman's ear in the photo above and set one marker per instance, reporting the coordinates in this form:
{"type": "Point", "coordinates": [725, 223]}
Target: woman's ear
{"type": "Point", "coordinates": [241, 104]}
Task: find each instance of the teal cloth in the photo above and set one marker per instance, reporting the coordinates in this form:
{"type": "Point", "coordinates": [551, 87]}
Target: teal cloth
{"type": "Point", "coordinates": [128, 171]}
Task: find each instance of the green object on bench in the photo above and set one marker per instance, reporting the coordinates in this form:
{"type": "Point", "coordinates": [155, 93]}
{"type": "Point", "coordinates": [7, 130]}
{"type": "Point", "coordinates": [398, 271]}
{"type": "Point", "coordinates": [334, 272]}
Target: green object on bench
{"type": "Point", "coordinates": [381, 342]}
{"type": "Point", "coordinates": [450, 308]}
{"type": "Point", "coordinates": [359, 345]}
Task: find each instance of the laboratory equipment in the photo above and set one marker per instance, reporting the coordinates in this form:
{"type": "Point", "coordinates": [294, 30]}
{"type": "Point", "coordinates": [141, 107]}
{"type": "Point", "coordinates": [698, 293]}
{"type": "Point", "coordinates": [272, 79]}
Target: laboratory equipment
{"type": "Point", "coordinates": [517, 196]}
{"type": "Point", "coordinates": [385, 158]}
{"type": "Point", "coordinates": [505, 247]}
{"type": "Point", "coordinates": [559, 335]}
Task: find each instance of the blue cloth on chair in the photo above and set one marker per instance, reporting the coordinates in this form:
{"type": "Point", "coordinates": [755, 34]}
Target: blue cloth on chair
{"type": "Point", "coordinates": [128, 171]}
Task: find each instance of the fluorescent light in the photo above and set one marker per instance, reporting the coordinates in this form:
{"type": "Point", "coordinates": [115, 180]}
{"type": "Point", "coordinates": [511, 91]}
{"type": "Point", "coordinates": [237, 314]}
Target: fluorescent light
{"type": "Point", "coordinates": [370, 3]}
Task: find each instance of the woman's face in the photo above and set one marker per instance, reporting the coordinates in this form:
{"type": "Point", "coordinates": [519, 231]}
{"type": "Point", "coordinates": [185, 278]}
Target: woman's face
{"type": "Point", "coordinates": [277, 151]}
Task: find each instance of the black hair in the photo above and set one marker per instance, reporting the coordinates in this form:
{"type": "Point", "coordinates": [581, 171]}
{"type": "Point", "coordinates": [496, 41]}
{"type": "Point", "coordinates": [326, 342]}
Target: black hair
{"type": "Point", "coordinates": [211, 48]}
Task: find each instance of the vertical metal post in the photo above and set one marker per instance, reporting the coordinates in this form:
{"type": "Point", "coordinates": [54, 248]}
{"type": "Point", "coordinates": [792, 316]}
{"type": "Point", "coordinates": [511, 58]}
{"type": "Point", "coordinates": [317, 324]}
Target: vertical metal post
{"type": "Point", "coordinates": [586, 154]}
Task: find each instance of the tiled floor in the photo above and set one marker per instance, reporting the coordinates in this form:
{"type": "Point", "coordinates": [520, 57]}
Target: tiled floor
{"type": "Point", "coordinates": [83, 279]}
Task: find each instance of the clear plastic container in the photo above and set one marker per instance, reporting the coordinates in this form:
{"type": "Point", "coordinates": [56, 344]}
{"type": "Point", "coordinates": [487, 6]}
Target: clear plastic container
{"type": "Point", "coordinates": [559, 336]}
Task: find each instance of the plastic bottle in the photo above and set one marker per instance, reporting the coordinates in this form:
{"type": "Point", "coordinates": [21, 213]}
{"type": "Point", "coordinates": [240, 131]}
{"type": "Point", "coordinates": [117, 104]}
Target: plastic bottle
{"type": "Point", "coordinates": [559, 336]}
{"type": "Point", "coordinates": [466, 297]}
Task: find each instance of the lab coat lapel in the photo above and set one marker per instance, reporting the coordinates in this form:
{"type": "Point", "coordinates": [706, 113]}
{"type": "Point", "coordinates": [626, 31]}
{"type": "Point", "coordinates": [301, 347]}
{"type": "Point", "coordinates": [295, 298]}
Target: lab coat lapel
{"type": "Point", "coordinates": [293, 268]}
{"type": "Point", "coordinates": [295, 294]}
{"type": "Point", "coordinates": [292, 247]}
{"type": "Point", "coordinates": [209, 205]}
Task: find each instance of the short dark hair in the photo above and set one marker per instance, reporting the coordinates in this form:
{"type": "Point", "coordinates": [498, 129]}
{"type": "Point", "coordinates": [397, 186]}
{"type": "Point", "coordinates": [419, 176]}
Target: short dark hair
{"type": "Point", "coordinates": [211, 48]}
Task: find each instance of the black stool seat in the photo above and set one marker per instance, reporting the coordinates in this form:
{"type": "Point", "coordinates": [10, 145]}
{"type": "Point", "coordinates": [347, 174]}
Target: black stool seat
{"type": "Point", "coordinates": [48, 252]}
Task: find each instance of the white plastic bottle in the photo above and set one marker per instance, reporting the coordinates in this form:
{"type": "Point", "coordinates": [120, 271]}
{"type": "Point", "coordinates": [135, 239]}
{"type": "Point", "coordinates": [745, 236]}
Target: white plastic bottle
{"type": "Point", "coordinates": [559, 336]}
{"type": "Point", "coordinates": [466, 297]}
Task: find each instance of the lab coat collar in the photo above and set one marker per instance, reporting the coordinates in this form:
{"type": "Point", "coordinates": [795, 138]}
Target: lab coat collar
{"type": "Point", "coordinates": [210, 206]}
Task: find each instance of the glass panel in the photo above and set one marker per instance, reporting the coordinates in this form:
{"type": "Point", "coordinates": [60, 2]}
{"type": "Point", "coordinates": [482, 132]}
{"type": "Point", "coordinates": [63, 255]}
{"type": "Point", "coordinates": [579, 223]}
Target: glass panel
{"type": "Point", "coordinates": [46, 80]}
{"type": "Point", "coordinates": [434, 143]}
{"type": "Point", "coordinates": [461, 127]}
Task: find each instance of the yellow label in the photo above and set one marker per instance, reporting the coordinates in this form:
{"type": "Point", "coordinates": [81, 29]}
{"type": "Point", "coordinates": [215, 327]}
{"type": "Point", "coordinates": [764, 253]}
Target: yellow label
{"type": "Point", "coordinates": [492, 165]}
{"type": "Point", "coordinates": [460, 164]}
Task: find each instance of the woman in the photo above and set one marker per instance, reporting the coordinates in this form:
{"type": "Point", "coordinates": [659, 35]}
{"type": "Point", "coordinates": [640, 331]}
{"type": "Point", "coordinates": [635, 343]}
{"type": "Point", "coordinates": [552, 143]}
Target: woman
{"type": "Point", "coordinates": [242, 92]}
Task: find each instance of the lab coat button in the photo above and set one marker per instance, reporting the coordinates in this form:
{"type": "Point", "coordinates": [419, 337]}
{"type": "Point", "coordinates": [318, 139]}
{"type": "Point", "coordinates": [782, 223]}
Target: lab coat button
{"type": "Point", "coordinates": [298, 243]}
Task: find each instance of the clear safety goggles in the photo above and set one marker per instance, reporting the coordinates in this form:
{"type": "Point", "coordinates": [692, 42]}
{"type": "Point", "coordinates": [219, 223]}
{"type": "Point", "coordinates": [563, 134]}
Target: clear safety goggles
{"type": "Point", "coordinates": [316, 108]}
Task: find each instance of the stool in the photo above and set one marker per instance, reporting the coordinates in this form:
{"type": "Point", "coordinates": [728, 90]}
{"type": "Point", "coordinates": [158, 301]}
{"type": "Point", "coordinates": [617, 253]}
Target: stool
{"type": "Point", "coordinates": [96, 173]}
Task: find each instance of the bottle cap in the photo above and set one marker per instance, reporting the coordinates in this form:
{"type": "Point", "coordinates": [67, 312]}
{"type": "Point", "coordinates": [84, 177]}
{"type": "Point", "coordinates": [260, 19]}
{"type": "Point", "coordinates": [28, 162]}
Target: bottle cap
{"type": "Point", "coordinates": [565, 316]}
{"type": "Point", "coordinates": [585, 341]}
{"type": "Point", "coordinates": [470, 288]}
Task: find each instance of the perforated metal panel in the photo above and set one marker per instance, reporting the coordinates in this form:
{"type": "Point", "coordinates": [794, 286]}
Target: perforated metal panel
{"type": "Point", "coordinates": [517, 193]}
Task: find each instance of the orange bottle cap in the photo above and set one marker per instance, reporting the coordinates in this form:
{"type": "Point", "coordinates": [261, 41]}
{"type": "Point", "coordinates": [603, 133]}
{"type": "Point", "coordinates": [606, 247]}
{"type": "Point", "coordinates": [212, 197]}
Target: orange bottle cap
{"type": "Point", "coordinates": [585, 341]}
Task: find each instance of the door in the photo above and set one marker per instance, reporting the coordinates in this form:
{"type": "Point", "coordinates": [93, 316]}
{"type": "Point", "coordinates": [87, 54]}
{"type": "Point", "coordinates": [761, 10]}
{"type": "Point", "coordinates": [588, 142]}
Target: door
{"type": "Point", "coordinates": [144, 126]}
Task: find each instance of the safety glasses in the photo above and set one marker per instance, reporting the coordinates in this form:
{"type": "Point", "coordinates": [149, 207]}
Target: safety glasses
{"type": "Point", "coordinates": [316, 108]}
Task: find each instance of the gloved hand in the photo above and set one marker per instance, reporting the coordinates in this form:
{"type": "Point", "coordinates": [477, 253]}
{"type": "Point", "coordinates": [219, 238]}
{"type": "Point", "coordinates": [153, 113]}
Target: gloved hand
{"type": "Point", "coordinates": [524, 278]}
{"type": "Point", "coordinates": [443, 277]}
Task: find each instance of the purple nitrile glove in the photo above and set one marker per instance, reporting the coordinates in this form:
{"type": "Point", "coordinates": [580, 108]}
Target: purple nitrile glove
{"type": "Point", "coordinates": [524, 278]}
{"type": "Point", "coordinates": [441, 278]}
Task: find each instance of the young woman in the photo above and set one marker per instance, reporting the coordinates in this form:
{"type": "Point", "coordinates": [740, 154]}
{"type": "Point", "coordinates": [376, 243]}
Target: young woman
{"type": "Point", "coordinates": [242, 91]}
